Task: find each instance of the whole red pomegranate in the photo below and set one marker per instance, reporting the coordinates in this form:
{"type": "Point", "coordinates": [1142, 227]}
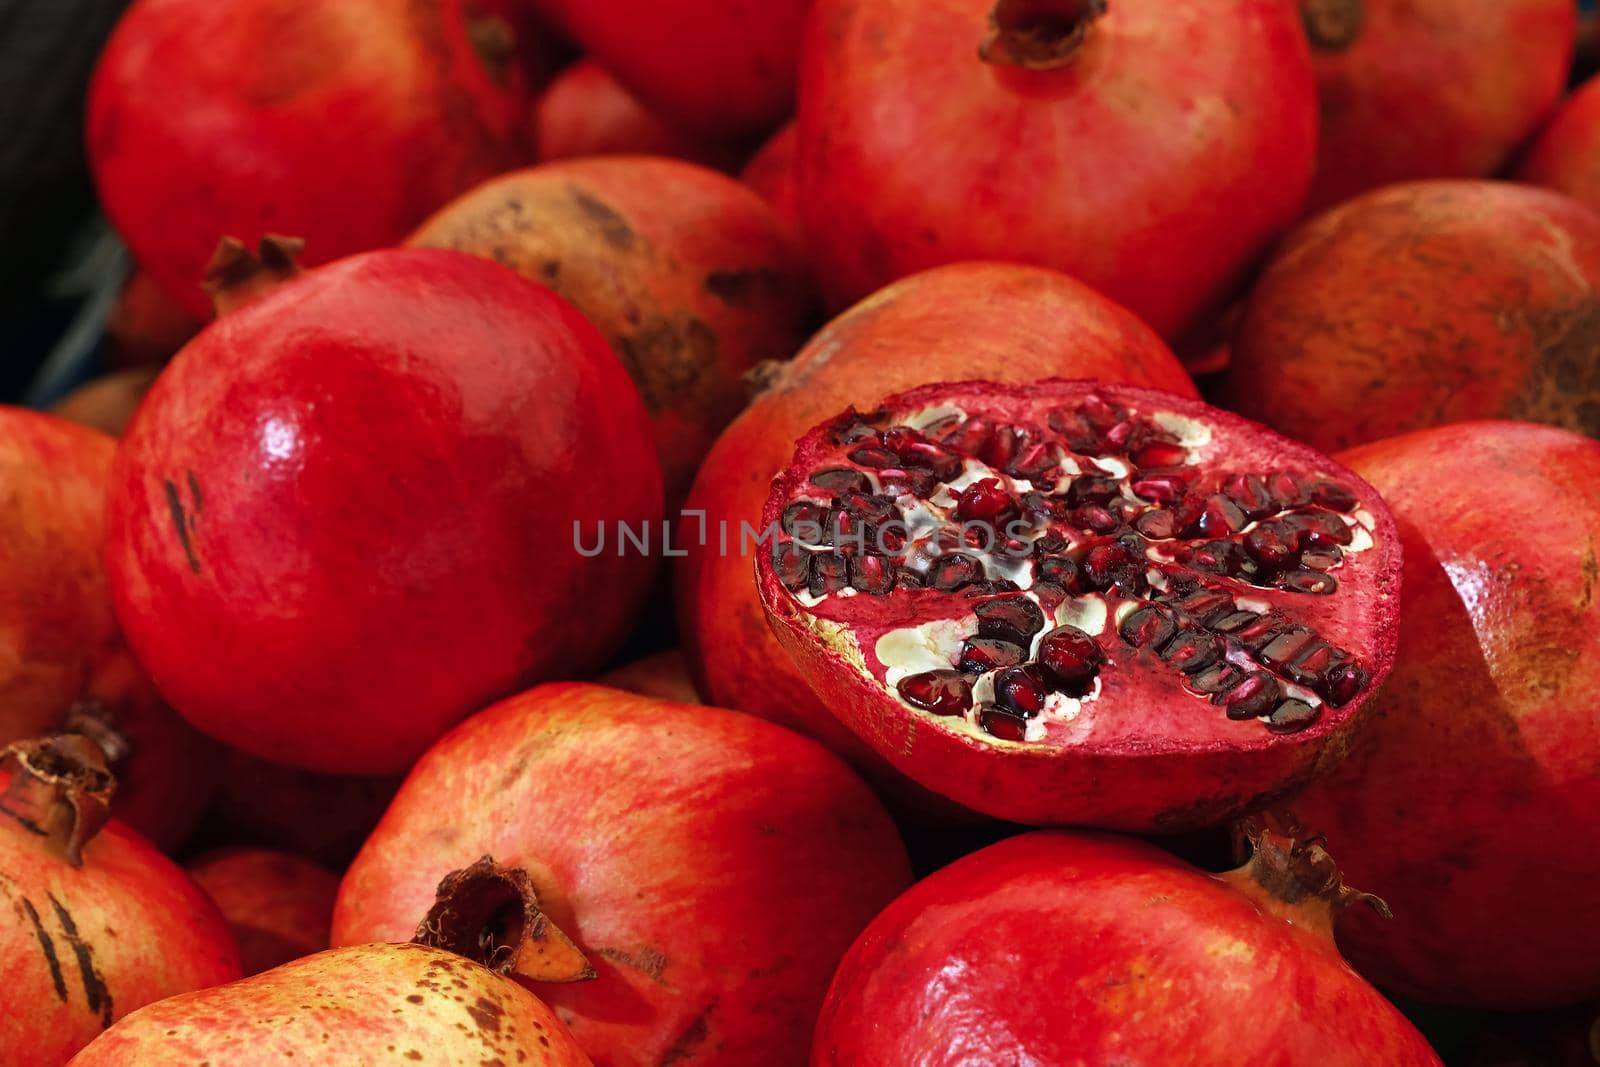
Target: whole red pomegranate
{"type": "Point", "coordinates": [1075, 948]}
{"type": "Point", "coordinates": [55, 613]}
{"type": "Point", "coordinates": [352, 511]}
{"type": "Point", "coordinates": [585, 111]}
{"type": "Point", "coordinates": [96, 922]}
{"type": "Point", "coordinates": [1423, 304]}
{"type": "Point", "coordinates": [1150, 149]}
{"type": "Point", "coordinates": [687, 273]}
{"type": "Point", "coordinates": [724, 68]}
{"type": "Point", "coordinates": [107, 403]}
{"type": "Point", "coordinates": [771, 173]}
{"type": "Point", "coordinates": [278, 905]}
{"type": "Point", "coordinates": [1430, 88]}
{"type": "Point", "coordinates": [712, 867]}
{"type": "Point", "coordinates": [1003, 321]}
{"type": "Point", "coordinates": [1566, 156]}
{"type": "Point", "coordinates": [454, 991]}
{"type": "Point", "coordinates": [663, 675]}
{"type": "Point", "coordinates": [343, 123]}
{"type": "Point", "coordinates": [1070, 602]}
{"type": "Point", "coordinates": [1476, 787]}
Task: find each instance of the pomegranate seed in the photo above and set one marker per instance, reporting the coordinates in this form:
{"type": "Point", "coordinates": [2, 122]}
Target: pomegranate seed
{"type": "Point", "coordinates": [1012, 618]}
{"type": "Point", "coordinates": [1216, 557]}
{"type": "Point", "coordinates": [803, 518]}
{"type": "Point", "coordinates": [1075, 431]}
{"type": "Point", "coordinates": [1314, 582]}
{"type": "Point", "coordinates": [1333, 495]}
{"type": "Point", "coordinates": [1049, 545]}
{"type": "Point", "coordinates": [1311, 665]}
{"type": "Point", "coordinates": [1002, 447]}
{"type": "Point", "coordinates": [1058, 570]}
{"type": "Point", "coordinates": [1095, 519]}
{"type": "Point", "coordinates": [1286, 646]}
{"type": "Point", "coordinates": [1321, 557]}
{"type": "Point", "coordinates": [1022, 690]}
{"type": "Point", "coordinates": [793, 565]}
{"type": "Point", "coordinates": [871, 507]}
{"type": "Point", "coordinates": [1159, 488]}
{"type": "Point", "coordinates": [1091, 489]}
{"type": "Point", "coordinates": [1271, 543]}
{"type": "Point", "coordinates": [955, 570]}
{"type": "Point", "coordinates": [840, 479]}
{"type": "Point", "coordinates": [1101, 415]}
{"type": "Point", "coordinates": [1264, 629]}
{"type": "Point", "coordinates": [1216, 679]}
{"type": "Point", "coordinates": [1205, 606]}
{"type": "Point", "coordinates": [985, 501]}
{"type": "Point", "coordinates": [930, 457]}
{"type": "Point", "coordinates": [990, 587]}
{"type": "Point", "coordinates": [872, 574]}
{"type": "Point", "coordinates": [830, 572]}
{"type": "Point", "coordinates": [1286, 490]}
{"type": "Point", "coordinates": [968, 438]}
{"type": "Point", "coordinates": [872, 456]}
{"type": "Point", "coordinates": [1249, 492]}
{"type": "Point", "coordinates": [900, 438]}
{"type": "Point", "coordinates": [1033, 461]}
{"type": "Point", "coordinates": [1237, 621]}
{"type": "Point", "coordinates": [1291, 715]}
{"type": "Point", "coordinates": [1221, 517]}
{"type": "Point", "coordinates": [909, 482]}
{"type": "Point", "coordinates": [982, 654]}
{"type": "Point", "coordinates": [1192, 650]}
{"type": "Point", "coordinates": [1252, 698]}
{"type": "Point", "coordinates": [1343, 683]}
{"type": "Point", "coordinates": [1318, 528]}
{"type": "Point", "coordinates": [1147, 626]}
{"type": "Point", "coordinates": [1071, 658]}
{"type": "Point", "coordinates": [998, 722]}
{"type": "Point", "coordinates": [1161, 454]}
{"type": "Point", "coordinates": [1158, 525]}
{"type": "Point", "coordinates": [941, 692]}
{"type": "Point", "coordinates": [906, 578]}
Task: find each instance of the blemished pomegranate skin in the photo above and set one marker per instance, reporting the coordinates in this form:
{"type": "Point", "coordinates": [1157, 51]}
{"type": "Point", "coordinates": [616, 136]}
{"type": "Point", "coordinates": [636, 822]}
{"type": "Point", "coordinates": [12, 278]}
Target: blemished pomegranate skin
{"type": "Point", "coordinates": [1149, 149]}
{"type": "Point", "coordinates": [344, 518]}
{"type": "Point", "coordinates": [344, 124]}
{"type": "Point", "coordinates": [1057, 948]}
{"type": "Point", "coordinates": [1472, 800]}
{"type": "Point", "coordinates": [1005, 321]}
{"type": "Point", "coordinates": [712, 867]}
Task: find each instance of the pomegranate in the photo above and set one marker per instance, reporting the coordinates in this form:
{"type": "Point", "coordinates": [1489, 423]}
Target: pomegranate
{"type": "Point", "coordinates": [1423, 304]}
{"type": "Point", "coordinates": [96, 921]}
{"type": "Point", "coordinates": [687, 273]}
{"type": "Point", "coordinates": [455, 991]}
{"type": "Point", "coordinates": [1150, 149]}
{"type": "Point", "coordinates": [1477, 782]}
{"type": "Point", "coordinates": [55, 614]}
{"type": "Point", "coordinates": [292, 116]}
{"type": "Point", "coordinates": [346, 515]}
{"type": "Point", "coordinates": [1430, 88]}
{"type": "Point", "coordinates": [278, 905]}
{"type": "Point", "coordinates": [323, 817]}
{"type": "Point", "coordinates": [1566, 157]}
{"type": "Point", "coordinates": [723, 68]}
{"type": "Point", "coordinates": [107, 403]}
{"type": "Point", "coordinates": [1068, 602]}
{"type": "Point", "coordinates": [663, 675]}
{"type": "Point", "coordinates": [771, 173]}
{"type": "Point", "coordinates": [147, 327]}
{"type": "Point", "coordinates": [966, 320]}
{"type": "Point", "coordinates": [1063, 948]}
{"type": "Point", "coordinates": [712, 867]}
{"type": "Point", "coordinates": [587, 112]}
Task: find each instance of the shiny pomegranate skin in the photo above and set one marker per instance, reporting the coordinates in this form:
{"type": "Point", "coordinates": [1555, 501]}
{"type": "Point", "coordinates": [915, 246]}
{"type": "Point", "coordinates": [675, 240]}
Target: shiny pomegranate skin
{"type": "Point", "coordinates": [724, 68]}
{"type": "Point", "coordinates": [368, 1004]}
{"type": "Point", "coordinates": [1566, 154]}
{"type": "Point", "coordinates": [1471, 801]}
{"type": "Point", "coordinates": [1421, 304]}
{"type": "Point", "coordinates": [712, 867]}
{"type": "Point", "coordinates": [1170, 145]}
{"type": "Point", "coordinates": [1415, 89]}
{"type": "Point", "coordinates": [1005, 321]}
{"type": "Point", "coordinates": [343, 124]}
{"type": "Point", "coordinates": [1072, 948]}
{"type": "Point", "coordinates": [585, 111]}
{"type": "Point", "coordinates": [56, 623]}
{"type": "Point", "coordinates": [344, 517]}
{"type": "Point", "coordinates": [279, 906]}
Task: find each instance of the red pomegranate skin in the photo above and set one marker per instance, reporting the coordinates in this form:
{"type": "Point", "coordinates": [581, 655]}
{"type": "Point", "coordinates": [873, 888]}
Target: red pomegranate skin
{"type": "Point", "coordinates": [344, 517]}
{"type": "Point", "coordinates": [1010, 322]}
{"type": "Point", "coordinates": [722, 68]}
{"type": "Point", "coordinates": [1566, 155]}
{"type": "Point", "coordinates": [771, 173]}
{"type": "Point", "coordinates": [585, 111]}
{"type": "Point", "coordinates": [663, 675]}
{"type": "Point", "coordinates": [1075, 948]}
{"type": "Point", "coordinates": [1471, 801]}
{"type": "Point", "coordinates": [1415, 89]}
{"type": "Point", "coordinates": [688, 275]}
{"type": "Point", "coordinates": [380, 1005]}
{"type": "Point", "coordinates": [147, 327]}
{"type": "Point", "coordinates": [55, 611]}
{"type": "Point", "coordinates": [1154, 166]}
{"type": "Point", "coordinates": [80, 947]}
{"type": "Point", "coordinates": [712, 867]}
{"type": "Point", "coordinates": [1142, 752]}
{"type": "Point", "coordinates": [281, 116]}
{"type": "Point", "coordinates": [107, 403]}
{"type": "Point", "coordinates": [1423, 304]}
{"type": "Point", "coordinates": [279, 906]}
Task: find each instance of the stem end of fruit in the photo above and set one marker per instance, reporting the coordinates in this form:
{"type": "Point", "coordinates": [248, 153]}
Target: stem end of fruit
{"type": "Point", "coordinates": [490, 913]}
{"type": "Point", "coordinates": [60, 790]}
{"type": "Point", "coordinates": [237, 276]}
{"type": "Point", "coordinates": [1038, 34]}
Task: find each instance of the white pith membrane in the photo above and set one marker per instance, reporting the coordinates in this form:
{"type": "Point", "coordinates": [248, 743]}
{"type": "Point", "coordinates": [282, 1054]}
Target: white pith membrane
{"type": "Point", "coordinates": [908, 633]}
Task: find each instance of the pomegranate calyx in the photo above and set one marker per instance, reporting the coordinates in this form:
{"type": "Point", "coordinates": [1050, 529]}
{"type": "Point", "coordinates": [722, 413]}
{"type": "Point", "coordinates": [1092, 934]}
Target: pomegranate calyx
{"type": "Point", "coordinates": [237, 276]}
{"type": "Point", "coordinates": [1332, 25]}
{"type": "Point", "coordinates": [1293, 875]}
{"type": "Point", "coordinates": [1038, 34]}
{"type": "Point", "coordinates": [490, 913]}
{"type": "Point", "coordinates": [60, 790]}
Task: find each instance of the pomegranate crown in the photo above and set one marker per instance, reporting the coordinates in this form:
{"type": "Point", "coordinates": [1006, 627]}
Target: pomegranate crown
{"type": "Point", "coordinates": [60, 789]}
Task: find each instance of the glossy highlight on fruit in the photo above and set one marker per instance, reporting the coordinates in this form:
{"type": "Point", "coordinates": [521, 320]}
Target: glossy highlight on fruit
{"type": "Point", "coordinates": [344, 518]}
{"type": "Point", "coordinates": [1069, 602]}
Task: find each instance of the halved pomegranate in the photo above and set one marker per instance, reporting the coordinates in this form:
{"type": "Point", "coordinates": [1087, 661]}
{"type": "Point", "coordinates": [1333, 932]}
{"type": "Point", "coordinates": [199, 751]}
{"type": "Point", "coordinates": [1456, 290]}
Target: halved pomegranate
{"type": "Point", "coordinates": [1072, 602]}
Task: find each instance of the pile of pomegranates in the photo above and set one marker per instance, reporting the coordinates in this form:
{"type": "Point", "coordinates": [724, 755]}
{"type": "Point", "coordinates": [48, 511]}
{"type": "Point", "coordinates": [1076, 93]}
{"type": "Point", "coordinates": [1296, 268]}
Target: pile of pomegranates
{"type": "Point", "coordinates": [816, 533]}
